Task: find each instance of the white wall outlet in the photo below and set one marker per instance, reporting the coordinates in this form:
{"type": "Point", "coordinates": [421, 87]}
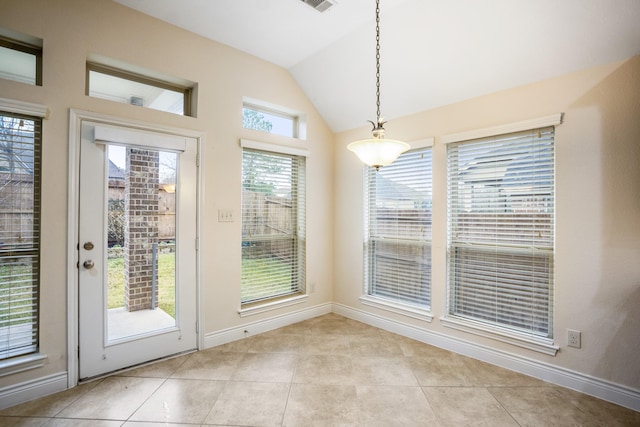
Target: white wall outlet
{"type": "Point", "coordinates": [574, 338]}
{"type": "Point", "coordinates": [225, 215]}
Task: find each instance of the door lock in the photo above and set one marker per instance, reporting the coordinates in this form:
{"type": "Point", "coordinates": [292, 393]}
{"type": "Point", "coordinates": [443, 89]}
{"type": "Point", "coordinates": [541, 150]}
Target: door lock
{"type": "Point", "coordinates": [88, 264]}
{"type": "Point", "coordinates": [88, 246]}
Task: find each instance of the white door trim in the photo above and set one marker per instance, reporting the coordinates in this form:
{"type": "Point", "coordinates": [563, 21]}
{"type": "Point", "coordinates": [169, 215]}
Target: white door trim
{"type": "Point", "coordinates": [76, 117]}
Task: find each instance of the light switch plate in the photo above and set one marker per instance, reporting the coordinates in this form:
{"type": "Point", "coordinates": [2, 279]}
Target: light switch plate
{"type": "Point", "coordinates": [225, 215]}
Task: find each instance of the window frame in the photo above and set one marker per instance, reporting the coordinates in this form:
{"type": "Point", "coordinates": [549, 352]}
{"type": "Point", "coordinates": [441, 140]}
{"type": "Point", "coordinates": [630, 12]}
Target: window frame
{"type": "Point", "coordinates": [300, 293]}
{"type": "Point", "coordinates": [374, 234]}
{"type": "Point", "coordinates": [27, 48]}
{"type": "Point", "coordinates": [186, 91]}
{"type": "Point", "coordinates": [33, 359]}
{"type": "Point", "coordinates": [298, 119]}
{"type": "Point", "coordinates": [498, 332]}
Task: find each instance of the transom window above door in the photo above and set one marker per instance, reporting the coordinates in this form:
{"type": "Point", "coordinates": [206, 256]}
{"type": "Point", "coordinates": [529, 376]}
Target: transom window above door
{"type": "Point", "coordinates": [148, 90]}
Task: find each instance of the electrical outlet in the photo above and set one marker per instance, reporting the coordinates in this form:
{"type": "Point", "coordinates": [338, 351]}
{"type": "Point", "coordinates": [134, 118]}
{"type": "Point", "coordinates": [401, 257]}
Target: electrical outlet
{"type": "Point", "coordinates": [574, 338]}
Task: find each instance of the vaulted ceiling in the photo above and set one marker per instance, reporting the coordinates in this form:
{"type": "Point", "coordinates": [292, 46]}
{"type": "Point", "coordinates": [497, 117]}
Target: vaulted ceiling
{"type": "Point", "coordinates": [433, 52]}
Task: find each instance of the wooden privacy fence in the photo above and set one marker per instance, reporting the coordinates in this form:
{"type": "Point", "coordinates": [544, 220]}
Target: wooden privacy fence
{"type": "Point", "coordinates": [267, 225]}
{"type": "Point", "coordinates": [16, 209]}
{"type": "Point", "coordinates": [265, 215]}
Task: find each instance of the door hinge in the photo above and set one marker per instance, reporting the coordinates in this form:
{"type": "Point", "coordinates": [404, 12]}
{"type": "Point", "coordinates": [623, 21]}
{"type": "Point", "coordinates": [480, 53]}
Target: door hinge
{"type": "Point", "coordinates": [198, 160]}
{"type": "Point", "coordinates": [78, 352]}
{"type": "Point", "coordinates": [197, 328]}
{"type": "Point", "coordinates": [197, 243]}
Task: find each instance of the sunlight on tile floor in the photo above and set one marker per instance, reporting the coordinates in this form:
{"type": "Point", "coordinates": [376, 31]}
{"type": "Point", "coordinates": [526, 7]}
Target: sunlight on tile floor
{"type": "Point", "coordinates": [325, 371]}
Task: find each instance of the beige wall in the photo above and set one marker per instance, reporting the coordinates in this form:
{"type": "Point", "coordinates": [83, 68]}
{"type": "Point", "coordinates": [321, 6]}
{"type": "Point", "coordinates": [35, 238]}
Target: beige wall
{"type": "Point", "coordinates": [73, 29]}
{"type": "Point", "coordinates": [598, 178]}
{"type": "Point", "coordinates": [597, 287]}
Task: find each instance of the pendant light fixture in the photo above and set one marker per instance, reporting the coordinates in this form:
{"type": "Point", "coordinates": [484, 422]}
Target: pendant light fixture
{"type": "Point", "coordinates": [378, 151]}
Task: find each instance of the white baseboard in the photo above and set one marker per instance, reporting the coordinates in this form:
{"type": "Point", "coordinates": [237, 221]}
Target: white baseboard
{"type": "Point", "coordinates": [619, 394]}
{"type": "Point", "coordinates": [32, 389]}
{"type": "Point", "coordinates": [253, 328]}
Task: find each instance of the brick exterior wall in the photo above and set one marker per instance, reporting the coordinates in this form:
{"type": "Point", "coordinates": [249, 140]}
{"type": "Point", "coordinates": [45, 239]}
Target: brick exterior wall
{"type": "Point", "coordinates": [141, 227]}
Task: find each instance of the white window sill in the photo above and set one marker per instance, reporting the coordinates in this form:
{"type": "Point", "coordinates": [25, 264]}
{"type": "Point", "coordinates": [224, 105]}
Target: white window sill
{"type": "Point", "coordinates": [21, 363]}
{"type": "Point", "coordinates": [395, 307]}
{"type": "Point", "coordinates": [271, 305]}
{"type": "Point", "coordinates": [541, 345]}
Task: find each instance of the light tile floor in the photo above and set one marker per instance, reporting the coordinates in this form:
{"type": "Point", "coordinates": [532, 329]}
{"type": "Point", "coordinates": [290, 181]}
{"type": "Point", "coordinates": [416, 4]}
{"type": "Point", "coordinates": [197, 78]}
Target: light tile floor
{"type": "Point", "coordinates": [325, 371]}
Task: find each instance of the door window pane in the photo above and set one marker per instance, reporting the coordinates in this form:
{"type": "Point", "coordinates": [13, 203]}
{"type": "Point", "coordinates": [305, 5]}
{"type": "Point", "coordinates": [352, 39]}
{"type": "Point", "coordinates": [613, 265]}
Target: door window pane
{"type": "Point", "coordinates": [141, 241]}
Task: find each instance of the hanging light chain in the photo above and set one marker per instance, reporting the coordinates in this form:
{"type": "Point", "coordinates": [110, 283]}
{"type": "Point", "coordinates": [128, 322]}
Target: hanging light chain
{"type": "Point", "coordinates": [378, 62]}
{"type": "Point", "coordinates": [378, 152]}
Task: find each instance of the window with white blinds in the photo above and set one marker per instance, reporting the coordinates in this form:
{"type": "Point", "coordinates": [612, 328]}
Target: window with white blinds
{"type": "Point", "coordinates": [501, 204]}
{"type": "Point", "coordinates": [20, 140]}
{"type": "Point", "coordinates": [273, 225]}
{"type": "Point", "coordinates": [398, 229]}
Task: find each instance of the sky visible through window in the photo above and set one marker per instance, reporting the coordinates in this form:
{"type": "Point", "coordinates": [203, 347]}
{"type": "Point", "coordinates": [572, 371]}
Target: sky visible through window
{"type": "Point", "coordinates": [280, 125]}
{"type": "Point", "coordinates": [168, 160]}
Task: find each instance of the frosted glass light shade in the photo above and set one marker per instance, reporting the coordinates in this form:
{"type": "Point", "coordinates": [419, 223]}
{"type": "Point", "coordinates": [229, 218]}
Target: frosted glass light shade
{"type": "Point", "coordinates": [378, 152]}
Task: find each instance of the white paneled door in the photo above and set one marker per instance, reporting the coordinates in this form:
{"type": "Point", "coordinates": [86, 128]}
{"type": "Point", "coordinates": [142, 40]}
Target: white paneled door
{"type": "Point", "coordinates": [137, 268]}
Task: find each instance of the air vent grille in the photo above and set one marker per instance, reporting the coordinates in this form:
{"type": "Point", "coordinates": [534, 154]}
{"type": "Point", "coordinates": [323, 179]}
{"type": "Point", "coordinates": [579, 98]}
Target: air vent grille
{"type": "Point", "coordinates": [319, 5]}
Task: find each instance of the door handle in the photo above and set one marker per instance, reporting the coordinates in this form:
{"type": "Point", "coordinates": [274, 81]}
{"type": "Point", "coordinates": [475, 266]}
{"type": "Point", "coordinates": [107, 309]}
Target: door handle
{"type": "Point", "coordinates": [88, 264]}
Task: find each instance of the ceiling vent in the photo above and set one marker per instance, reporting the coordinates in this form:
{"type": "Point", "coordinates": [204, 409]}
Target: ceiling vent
{"type": "Point", "coordinates": [320, 5]}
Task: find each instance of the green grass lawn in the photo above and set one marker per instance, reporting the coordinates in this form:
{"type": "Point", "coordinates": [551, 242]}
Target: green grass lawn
{"type": "Point", "coordinates": [16, 297]}
{"type": "Point", "coordinates": [166, 283]}
{"type": "Point", "coordinates": [264, 277]}
{"type": "Point", "coordinates": [255, 273]}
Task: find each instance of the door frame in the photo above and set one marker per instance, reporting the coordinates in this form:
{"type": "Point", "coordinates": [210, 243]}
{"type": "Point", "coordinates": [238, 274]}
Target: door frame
{"type": "Point", "coordinates": [76, 118]}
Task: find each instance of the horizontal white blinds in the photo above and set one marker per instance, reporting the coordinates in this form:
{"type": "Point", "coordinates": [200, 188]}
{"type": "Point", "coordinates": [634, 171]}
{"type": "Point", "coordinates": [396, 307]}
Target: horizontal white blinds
{"type": "Point", "coordinates": [273, 225]}
{"type": "Point", "coordinates": [501, 206]}
{"type": "Point", "coordinates": [398, 221]}
{"type": "Point", "coordinates": [20, 138]}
